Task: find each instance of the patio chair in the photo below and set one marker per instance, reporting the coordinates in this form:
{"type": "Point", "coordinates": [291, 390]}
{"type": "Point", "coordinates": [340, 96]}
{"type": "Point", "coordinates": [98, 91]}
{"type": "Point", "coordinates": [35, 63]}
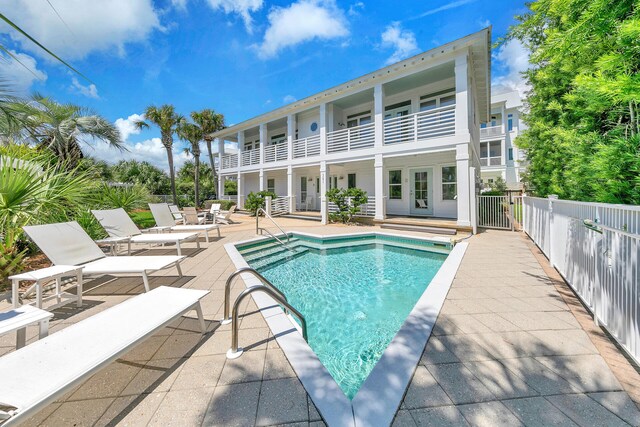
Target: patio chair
{"type": "Point", "coordinates": [46, 370]}
{"type": "Point", "coordinates": [117, 223]}
{"type": "Point", "coordinates": [214, 209]}
{"type": "Point", "coordinates": [422, 204]}
{"type": "Point", "coordinates": [66, 243]}
{"type": "Point", "coordinates": [225, 217]}
{"type": "Point", "coordinates": [164, 220]}
{"type": "Point", "coordinates": [191, 217]}
{"type": "Point", "coordinates": [308, 203]}
{"type": "Point", "coordinates": [177, 215]}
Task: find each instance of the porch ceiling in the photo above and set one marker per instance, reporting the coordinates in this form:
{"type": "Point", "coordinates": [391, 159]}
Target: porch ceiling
{"type": "Point", "coordinates": [432, 75]}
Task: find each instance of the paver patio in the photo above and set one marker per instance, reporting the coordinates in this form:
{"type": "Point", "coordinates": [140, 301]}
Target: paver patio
{"type": "Point", "coordinates": [506, 350]}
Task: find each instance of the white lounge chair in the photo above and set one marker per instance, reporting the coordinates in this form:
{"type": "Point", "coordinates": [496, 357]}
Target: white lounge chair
{"type": "Point", "coordinates": [66, 243]}
{"type": "Point", "coordinates": [164, 220]}
{"type": "Point", "coordinates": [117, 223]}
{"type": "Point", "coordinates": [177, 215]}
{"type": "Point", "coordinates": [191, 216]}
{"type": "Point", "coordinates": [213, 211]}
{"type": "Point", "coordinates": [39, 373]}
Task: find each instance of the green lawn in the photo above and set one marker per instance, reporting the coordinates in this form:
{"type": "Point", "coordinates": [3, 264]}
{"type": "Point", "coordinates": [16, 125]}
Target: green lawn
{"type": "Point", "coordinates": [143, 219]}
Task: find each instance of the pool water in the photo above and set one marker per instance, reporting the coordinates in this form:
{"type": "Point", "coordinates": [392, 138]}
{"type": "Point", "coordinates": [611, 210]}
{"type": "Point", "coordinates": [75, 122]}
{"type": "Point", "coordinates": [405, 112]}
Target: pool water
{"type": "Point", "coordinates": [355, 297]}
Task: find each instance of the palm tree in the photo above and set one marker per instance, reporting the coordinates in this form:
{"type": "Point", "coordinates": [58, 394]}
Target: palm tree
{"type": "Point", "coordinates": [62, 128]}
{"type": "Point", "coordinates": [192, 133]}
{"type": "Point", "coordinates": [166, 118]}
{"type": "Point", "coordinates": [209, 122]}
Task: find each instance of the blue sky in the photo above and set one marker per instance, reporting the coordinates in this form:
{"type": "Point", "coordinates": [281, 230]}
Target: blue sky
{"type": "Point", "coordinates": [239, 57]}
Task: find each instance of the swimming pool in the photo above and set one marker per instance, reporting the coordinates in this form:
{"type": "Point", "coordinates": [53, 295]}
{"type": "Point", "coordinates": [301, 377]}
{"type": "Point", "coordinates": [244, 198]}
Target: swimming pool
{"type": "Point", "coordinates": [355, 292]}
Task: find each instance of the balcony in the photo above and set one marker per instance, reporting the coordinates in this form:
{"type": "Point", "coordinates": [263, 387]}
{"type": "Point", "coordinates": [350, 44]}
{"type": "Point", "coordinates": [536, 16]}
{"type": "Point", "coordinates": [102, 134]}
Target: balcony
{"type": "Point", "coordinates": [276, 152]}
{"type": "Point", "coordinates": [251, 157]}
{"type": "Point", "coordinates": [491, 161]}
{"type": "Point", "coordinates": [492, 132]}
{"type": "Point", "coordinates": [229, 161]}
{"type": "Point", "coordinates": [419, 126]}
{"type": "Point", "coordinates": [306, 147]}
{"type": "Point", "coordinates": [354, 138]}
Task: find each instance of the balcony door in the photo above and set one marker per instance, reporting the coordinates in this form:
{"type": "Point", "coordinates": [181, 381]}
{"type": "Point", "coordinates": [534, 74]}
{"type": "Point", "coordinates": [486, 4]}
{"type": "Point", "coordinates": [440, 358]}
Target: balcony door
{"type": "Point", "coordinates": [421, 194]}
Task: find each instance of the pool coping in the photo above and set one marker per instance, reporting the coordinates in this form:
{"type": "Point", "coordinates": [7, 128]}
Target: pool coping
{"type": "Point", "coordinates": [380, 396]}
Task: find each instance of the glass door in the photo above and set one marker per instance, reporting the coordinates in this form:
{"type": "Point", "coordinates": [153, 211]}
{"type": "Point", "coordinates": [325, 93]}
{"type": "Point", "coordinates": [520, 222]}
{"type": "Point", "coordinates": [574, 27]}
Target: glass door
{"type": "Point", "coordinates": [303, 192]}
{"type": "Point", "coordinates": [421, 192]}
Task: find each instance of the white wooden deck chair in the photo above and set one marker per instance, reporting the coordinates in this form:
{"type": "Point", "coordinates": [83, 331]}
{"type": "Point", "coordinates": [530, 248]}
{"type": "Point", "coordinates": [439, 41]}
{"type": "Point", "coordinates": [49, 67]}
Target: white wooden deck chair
{"type": "Point", "coordinates": [117, 223]}
{"type": "Point", "coordinates": [177, 215]}
{"type": "Point", "coordinates": [164, 220]}
{"type": "Point", "coordinates": [225, 217]}
{"type": "Point", "coordinates": [422, 204]}
{"type": "Point", "coordinates": [40, 373]}
{"type": "Point", "coordinates": [214, 209]}
{"type": "Point", "coordinates": [66, 243]}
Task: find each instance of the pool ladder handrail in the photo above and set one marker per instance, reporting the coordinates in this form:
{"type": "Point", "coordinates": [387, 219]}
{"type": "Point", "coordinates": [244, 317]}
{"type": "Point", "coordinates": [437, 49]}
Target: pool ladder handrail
{"type": "Point", "coordinates": [266, 287]}
{"type": "Point", "coordinates": [266, 215]}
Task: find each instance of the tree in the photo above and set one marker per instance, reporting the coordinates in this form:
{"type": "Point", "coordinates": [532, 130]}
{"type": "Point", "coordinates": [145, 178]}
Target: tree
{"type": "Point", "coordinates": [143, 173]}
{"type": "Point", "coordinates": [193, 134]}
{"type": "Point", "coordinates": [209, 122]}
{"type": "Point", "coordinates": [165, 118]}
{"type": "Point", "coordinates": [185, 181]}
{"type": "Point", "coordinates": [582, 109]}
{"type": "Point", "coordinates": [62, 128]}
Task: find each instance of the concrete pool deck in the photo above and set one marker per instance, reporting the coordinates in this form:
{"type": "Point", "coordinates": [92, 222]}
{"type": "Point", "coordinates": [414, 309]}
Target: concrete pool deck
{"type": "Point", "coordinates": [506, 350]}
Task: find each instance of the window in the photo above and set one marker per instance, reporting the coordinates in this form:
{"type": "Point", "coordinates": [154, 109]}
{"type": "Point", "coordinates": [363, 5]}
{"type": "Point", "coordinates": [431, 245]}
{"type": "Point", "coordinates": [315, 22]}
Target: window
{"type": "Point", "coordinates": [510, 124]}
{"type": "Point", "coordinates": [271, 185]}
{"type": "Point", "coordinates": [358, 119]}
{"type": "Point", "coordinates": [303, 189]}
{"type": "Point", "coordinates": [277, 139]}
{"type": "Point", "coordinates": [351, 180]}
{"type": "Point", "coordinates": [395, 184]}
{"type": "Point", "coordinates": [510, 153]}
{"type": "Point", "coordinates": [333, 182]}
{"type": "Point", "coordinates": [436, 100]}
{"type": "Point", "coordinates": [449, 180]}
{"type": "Point", "coordinates": [490, 153]}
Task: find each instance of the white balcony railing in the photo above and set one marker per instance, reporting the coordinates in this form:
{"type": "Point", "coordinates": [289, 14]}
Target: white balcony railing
{"type": "Point", "coordinates": [251, 157]}
{"type": "Point", "coordinates": [280, 205]}
{"type": "Point", "coordinates": [491, 132]}
{"type": "Point", "coordinates": [354, 138]}
{"type": "Point", "coordinates": [229, 161]}
{"type": "Point", "coordinates": [419, 126]}
{"type": "Point", "coordinates": [275, 152]}
{"type": "Point", "coordinates": [367, 209]}
{"type": "Point", "coordinates": [491, 161]}
{"type": "Point", "coordinates": [306, 147]}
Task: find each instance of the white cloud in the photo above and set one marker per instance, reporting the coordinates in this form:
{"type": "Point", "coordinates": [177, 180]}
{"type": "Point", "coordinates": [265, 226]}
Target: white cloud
{"type": "Point", "coordinates": [447, 6]}
{"type": "Point", "coordinates": [90, 91]}
{"type": "Point", "coordinates": [355, 8]}
{"type": "Point", "coordinates": [289, 99]}
{"type": "Point", "coordinates": [149, 150]}
{"type": "Point", "coordinates": [128, 126]}
{"type": "Point", "coordinates": [179, 4]}
{"type": "Point", "coordinates": [88, 25]}
{"type": "Point", "coordinates": [21, 73]}
{"type": "Point", "coordinates": [512, 59]}
{"type": "Point", "coordinates": [302, 21]}
{"type": "Point", "coordinates": [241, 7]}
{"type": "Point", "coordinates": [402, 41]}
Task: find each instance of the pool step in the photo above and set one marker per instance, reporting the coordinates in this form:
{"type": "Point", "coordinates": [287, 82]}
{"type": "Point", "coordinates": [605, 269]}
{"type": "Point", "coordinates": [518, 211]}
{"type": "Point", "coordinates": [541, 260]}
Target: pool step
{"type": "Point", "coordinates": [272, 251]}
{"type": "Point", "coordinates": [277, 258]}
{"type": "Point", "coordinates": [266, 246]}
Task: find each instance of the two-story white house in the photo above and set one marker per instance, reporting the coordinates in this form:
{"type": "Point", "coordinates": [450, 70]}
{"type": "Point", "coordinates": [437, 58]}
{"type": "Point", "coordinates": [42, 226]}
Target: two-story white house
{"type": "Point", "coordinates": [499, 156]}
{"type": "Point", "coordinates": [408, 134]}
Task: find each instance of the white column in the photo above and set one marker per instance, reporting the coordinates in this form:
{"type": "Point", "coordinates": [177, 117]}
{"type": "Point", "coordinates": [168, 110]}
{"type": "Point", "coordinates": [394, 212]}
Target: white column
{"type": "Point", "coordinates": [462, 95]}
{"type": "Point", "coordinates": [263, 140]}
{"type": "Point", "coordinates": [220, 176]}
{"type": "Point", "coordinates": [379, 187]}
{"type": "Point", "coordinates": [240, 147]}
{"type": "Point", "coordinates": [290, 189]}
{"type": "Point", "coordinates": [378, 117]}
{"type": "Point", "coordinates": [324, 181]}
{"type": "Point", "coordinates": [291, 134]}
{"type": "Point", "coordinates": [323, 129]}
{"type": "Point", "coordinates": [262, 178]}
{"type": "Point", "coordinates": [240, 190]}
{"type": "Point", "coordinates": [464, 193]}
{"type": "Point", "coordinates": [473, 208]}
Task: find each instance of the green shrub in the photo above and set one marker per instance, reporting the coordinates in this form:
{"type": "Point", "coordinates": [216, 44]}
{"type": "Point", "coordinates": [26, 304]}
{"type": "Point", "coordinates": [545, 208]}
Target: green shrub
{"type": "Point", "coordinates": [127, 198]}
{"type": "Point", "coordinates": [348, 202]}
{"type": "Point", "coordinates": [257, 200]}
{"type": "Point", "coordinates": [225, 205]}
{"type": "Point", "coordinates": [11, 258]}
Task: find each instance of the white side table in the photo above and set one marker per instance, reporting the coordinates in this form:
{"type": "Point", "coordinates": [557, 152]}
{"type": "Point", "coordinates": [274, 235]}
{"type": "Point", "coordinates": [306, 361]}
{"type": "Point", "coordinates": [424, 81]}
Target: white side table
{"type": "Point", "coordinates": [19, 318]}
{"type": "Point", "coordinates": [56, 272]}
{"type": "Point", "coordinates": [113, 243]}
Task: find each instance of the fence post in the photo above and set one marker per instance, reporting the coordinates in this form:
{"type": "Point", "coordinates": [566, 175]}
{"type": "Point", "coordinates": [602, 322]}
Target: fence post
{"type": "Point", "coordinates": [267, 205]}
{"type": "Point", "coordinates": [552, 197]}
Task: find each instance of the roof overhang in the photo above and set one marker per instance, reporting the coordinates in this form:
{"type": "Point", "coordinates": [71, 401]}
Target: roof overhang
{"type": "Point", "coordinates": [477, 44]}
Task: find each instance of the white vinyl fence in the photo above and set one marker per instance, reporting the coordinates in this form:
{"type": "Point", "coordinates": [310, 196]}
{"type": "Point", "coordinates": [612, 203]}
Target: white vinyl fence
{"type": "Point", "coordinates": [599, 258]}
